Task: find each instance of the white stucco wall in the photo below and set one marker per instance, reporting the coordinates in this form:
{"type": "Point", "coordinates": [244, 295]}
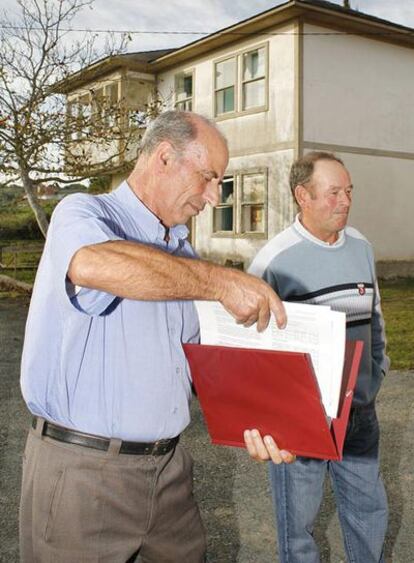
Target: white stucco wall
{"type": "Point", "coordinates": [357, 91]}
{"type": "Point", "coordinates": [383, 203]}
{"type": "Point", "coordinates": [357, 97]}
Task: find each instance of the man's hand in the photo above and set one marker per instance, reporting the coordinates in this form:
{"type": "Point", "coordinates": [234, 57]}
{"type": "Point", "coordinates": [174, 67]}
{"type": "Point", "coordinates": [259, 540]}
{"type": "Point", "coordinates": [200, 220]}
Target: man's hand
{"type": "Point", "coordinates": [264, 449]}
{"type": "Point", "coordinates": [250, 300]}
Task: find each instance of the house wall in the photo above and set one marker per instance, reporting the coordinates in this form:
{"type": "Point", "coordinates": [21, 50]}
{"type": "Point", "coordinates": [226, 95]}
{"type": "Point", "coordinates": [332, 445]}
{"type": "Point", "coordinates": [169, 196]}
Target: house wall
{"type": "Point", "coordinates": [358, 102]}
{"type": "Point", "coordinates": [383, 208]}
{"type": "Point", "coordinates": [280, 211]}
{"type": "Point", "coordinates": [135, 89]}
{"type": "Point", "coordinates": [263, 139]}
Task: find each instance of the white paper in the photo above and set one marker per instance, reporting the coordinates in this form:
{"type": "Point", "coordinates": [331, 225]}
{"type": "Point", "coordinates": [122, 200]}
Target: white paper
{"type": "Point", "coordinates": [312, 329]}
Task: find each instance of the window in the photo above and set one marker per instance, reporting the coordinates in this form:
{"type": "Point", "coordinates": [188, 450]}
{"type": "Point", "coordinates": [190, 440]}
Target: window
{"type": "Point", "coordinates": [225, 85]}
{"type": "Point", "coordinates": [184, 91]}
{"type": "Point", "coordinates": [224, 212]}
{"type": "Point", "coordinates": [112, 104]}
{"type": "Point", "coordinates": [242, 208]}
{"type": "Point", "coordinates": [247, 93]}
{"type": "Point", "coordinates": [252, 203]}
{"type": "Point", "coordinates": [98, 108]}
{"type": "Point", "coordinates": [253, 86]}
{"type": "Point", "coordinates": [79, 116]}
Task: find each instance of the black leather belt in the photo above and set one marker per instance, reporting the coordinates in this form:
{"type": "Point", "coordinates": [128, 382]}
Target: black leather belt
{"type": "Point", "coordinates": [160, 447]}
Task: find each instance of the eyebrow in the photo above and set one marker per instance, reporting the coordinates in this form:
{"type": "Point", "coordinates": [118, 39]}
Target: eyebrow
{"type": "Point", "coordinates": [340, 188]}
{"type": "Point", "coordinates": [214, 174]}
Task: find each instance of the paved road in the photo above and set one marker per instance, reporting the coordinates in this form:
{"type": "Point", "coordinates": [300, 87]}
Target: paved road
{"type": "Point", "coordinates": [233, 491]}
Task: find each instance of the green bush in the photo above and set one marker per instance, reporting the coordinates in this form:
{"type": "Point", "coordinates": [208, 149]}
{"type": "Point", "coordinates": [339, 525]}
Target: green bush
{"type": "Point", "coordinates": [17, 221]}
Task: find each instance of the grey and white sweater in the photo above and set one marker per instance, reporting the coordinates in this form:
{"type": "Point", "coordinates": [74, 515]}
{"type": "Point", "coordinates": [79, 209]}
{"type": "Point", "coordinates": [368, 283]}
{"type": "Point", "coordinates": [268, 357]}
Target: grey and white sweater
{"type": "Point", "coordinates": [304, 269]}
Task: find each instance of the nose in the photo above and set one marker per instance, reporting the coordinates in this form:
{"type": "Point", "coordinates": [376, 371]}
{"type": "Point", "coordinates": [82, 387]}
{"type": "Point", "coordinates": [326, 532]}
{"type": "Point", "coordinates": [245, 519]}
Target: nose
{"type": "Point", "coordinates": [345, 198]}
{"type": "Point", "coordinates": [212, 192]}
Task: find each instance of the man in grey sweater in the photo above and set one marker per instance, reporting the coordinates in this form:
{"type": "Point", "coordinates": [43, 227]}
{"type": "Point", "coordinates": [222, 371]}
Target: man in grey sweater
{"type": "Point", "coordinates": [319, 260]}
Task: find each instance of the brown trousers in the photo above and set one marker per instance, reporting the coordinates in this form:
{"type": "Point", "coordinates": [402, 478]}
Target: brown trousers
{"type": "Point", "coordinates": [80, 505]}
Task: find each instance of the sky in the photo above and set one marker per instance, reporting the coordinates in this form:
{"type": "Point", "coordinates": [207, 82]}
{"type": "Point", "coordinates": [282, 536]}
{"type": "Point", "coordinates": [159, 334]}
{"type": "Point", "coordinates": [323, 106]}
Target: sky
{"type": "Point", "coordinates": [206, 16]}
{"type": "Point", "coordinates": [181, 17]}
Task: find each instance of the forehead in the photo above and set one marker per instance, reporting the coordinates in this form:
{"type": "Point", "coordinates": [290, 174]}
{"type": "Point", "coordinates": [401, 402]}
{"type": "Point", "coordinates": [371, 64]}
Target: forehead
{"type": "Point", "coordinates": [328, 173]}
{"type": "Point", "coordinates": [209, 148]}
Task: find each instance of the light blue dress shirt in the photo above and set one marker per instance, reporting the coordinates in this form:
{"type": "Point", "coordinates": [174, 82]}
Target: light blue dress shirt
{"type": "Point", "coordinates": [95, 362]}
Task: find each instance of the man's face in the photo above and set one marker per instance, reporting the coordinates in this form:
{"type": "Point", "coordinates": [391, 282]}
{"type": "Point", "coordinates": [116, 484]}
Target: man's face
{"type": "Point", "coordinates": [325, 207]}
{"type": "Point", "coordinates": [195, 178]}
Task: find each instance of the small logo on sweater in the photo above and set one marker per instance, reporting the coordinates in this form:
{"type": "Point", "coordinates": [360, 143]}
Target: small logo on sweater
{"type": "Point", "coordinates": [361, 288]}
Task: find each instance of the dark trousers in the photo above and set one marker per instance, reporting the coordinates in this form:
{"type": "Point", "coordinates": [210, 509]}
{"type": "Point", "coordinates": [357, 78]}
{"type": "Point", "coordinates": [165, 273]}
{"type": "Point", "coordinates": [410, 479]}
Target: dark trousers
{"type": "Point", "coordinates": [80, 505]}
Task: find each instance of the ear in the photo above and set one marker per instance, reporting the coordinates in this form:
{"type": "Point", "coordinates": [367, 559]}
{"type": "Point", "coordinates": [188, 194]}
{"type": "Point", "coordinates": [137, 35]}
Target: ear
{"type": "Point", "coordinates": [302, 195]}
{"type": "Point", "coordinates": [163, 157]}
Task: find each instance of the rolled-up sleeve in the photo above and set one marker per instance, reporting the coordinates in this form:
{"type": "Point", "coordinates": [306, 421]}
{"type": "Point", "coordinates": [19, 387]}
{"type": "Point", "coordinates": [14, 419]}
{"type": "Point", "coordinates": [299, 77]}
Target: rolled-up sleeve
{"type": "Point", "coordinates": [79, 221]}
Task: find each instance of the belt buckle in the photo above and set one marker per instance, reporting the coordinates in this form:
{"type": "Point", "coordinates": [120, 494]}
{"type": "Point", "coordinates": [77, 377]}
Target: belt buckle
{"type": "Point", "coordinates": [157, 448]}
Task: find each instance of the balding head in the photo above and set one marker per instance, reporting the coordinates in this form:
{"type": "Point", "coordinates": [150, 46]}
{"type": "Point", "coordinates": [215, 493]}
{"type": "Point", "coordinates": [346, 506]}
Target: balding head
{"type": "Point", "coordinates": [179, 128]}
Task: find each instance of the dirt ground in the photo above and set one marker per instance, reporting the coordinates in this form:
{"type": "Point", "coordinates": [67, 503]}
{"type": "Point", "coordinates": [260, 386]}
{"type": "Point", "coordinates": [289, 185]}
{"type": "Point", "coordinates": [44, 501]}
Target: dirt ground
{"type": "Point", "coordinates": [232, 491]}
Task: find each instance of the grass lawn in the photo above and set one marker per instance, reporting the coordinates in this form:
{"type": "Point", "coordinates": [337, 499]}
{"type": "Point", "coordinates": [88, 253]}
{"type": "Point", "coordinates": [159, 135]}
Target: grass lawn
{"type": "Point", "coordinates": [398, 308]}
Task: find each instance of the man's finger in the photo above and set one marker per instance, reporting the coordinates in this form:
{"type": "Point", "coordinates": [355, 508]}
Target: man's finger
{"type": "Point", "coordinates": [279, 312]}
{"type": "Point", "coordinates": [250, 321]}
{"type": "Point", "coordinates": [261, 449]}
{"type": "Point", "coordinates": [250, 445]}
{"type": "Point", "coordinates": [273, 450]}
{"type": "Point", "coordinates": [255, 445]}
{"type": "Point", "coordinates": [263, 318]}
{"type": "Point", "coordinates": [287, 456]}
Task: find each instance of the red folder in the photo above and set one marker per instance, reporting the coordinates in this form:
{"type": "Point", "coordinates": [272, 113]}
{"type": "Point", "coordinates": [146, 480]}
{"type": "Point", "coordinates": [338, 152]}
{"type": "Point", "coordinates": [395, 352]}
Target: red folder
{"type": "Point", "coordinates": [275, 392]}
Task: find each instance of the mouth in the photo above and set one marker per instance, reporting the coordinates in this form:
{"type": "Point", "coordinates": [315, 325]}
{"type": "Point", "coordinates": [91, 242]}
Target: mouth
{"type": "Point", "coordinates": [196, 209]}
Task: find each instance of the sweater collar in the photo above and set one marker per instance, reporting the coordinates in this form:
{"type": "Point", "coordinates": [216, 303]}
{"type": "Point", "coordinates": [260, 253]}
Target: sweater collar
{"type": "Point", "coordinates": [309, 236]}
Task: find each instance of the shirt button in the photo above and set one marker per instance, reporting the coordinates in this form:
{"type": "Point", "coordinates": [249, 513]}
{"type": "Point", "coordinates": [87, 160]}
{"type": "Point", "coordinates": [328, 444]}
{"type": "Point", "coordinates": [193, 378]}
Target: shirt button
{"type": "Point", "coordinates": [177, 370]}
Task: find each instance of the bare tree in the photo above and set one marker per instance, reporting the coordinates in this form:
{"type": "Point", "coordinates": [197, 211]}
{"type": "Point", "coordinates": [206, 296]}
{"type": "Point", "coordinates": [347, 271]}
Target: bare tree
{"type": "Point", "coordinates": [40, 140]}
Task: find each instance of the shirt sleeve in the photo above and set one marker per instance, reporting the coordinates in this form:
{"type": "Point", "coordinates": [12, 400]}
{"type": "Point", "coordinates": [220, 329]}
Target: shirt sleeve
{"type": "Point", "coordinates": [378, 334]}
{"type": "Point", "coordinates": [80, 220]}
{"type": "Point", "coordinates": [378, 340]}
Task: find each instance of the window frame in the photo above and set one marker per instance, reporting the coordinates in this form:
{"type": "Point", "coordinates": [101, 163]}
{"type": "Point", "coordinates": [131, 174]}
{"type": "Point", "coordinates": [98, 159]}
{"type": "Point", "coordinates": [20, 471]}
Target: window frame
{"type": "Point", "coordinates": [238, 205]}
{"type": "Point", "coordinates": [238, 94]}
{"type": "Point", "coordinates": [236, 89]}
{"type": "Point", "coordinates": [188, 72]}
{"type": "Point", "coordinates": [224, 205]}
{"type": "Point", "coordinates": [251, 80]}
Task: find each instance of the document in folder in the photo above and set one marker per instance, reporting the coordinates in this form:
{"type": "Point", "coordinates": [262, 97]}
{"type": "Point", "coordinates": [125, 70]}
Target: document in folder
{"type": "Point", "coordinates": [273, 391]}
{"type": "Point", "coordinates": [313, 329]}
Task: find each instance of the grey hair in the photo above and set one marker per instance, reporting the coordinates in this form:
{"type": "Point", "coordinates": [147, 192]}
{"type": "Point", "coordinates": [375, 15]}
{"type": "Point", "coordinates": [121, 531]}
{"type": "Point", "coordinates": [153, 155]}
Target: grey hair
{"type": "Point", "coordinates": [302, 169]}
{"type": "Point", "coordinates": [177, 127]}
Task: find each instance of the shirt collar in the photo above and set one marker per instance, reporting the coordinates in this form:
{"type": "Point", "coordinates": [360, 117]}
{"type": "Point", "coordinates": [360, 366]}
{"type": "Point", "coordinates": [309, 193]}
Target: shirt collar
{"type": "Point", "coordinates": [306, 234]}
{"type": "Point", "coordinates": [147, 220]}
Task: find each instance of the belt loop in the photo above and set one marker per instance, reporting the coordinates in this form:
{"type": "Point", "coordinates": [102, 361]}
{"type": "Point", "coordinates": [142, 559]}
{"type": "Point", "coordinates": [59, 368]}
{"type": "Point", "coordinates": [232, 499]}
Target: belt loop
{"type": "Point", "coordinates": [40, 423]}
{"type": "Point", "coordinates": [114, 446]}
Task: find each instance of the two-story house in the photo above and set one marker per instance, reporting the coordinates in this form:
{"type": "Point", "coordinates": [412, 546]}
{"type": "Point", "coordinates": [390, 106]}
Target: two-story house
{"type": "Point", "coordinates": [305, 75]}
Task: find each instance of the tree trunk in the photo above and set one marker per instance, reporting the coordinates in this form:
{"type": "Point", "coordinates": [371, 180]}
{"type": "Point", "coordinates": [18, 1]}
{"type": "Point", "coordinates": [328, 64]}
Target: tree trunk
{"type": "Point", "coordinates": [38, 211]}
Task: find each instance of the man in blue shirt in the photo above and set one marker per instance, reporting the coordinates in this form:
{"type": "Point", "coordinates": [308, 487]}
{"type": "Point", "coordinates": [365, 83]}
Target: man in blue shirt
{"type": "Point", "coordinates": [103, 369]}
